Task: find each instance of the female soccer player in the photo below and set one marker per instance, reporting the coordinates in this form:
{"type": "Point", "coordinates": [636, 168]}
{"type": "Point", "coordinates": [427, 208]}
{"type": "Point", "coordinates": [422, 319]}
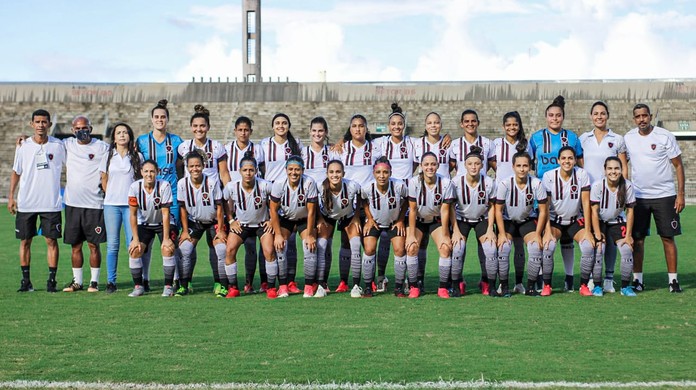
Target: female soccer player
{"type": "Point", "coordinates": [316, 155]}
{"type": "Point", "coordinates": [149, 200]}
{"type": "Point", "coordinates": [248, 210]}
{"type": "Point", "coordinates": [385, 206]}
{"type": "Point", "coordinates": [294, 209]}
{"type": "Point", "coordinates": [570, 216]}
{"type": "Point", "coordinates": [609, 197]}
{"type": "Point", "coordinates": [430, 200]}
{"type": "Point", "coordinates": [432, 141]}
{"type": "Point", "coordinates": [119, 169]}
{"type": "Point", "coordinates": [475, 194]}
{"type": "Point", "coordinates": [462, 146]}
{"type": "Point", "coordinates": [337, 200]}
{"type": "Point", "coordinates": [202, 213]}
{"type": "Point", "coordinates": [516, 218]}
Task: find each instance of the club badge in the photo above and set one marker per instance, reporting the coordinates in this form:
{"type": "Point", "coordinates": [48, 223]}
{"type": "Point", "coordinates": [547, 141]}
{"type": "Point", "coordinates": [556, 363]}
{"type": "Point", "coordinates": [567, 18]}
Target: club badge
{"type": "Point", "coordinates": [257, 201]}
{"type": "Point", "coordinates": [325, 158]}
{"type": "Point", "coordinates": [91, 156]}
{"type": "Point", "coordinates": [482, 194]}
{"type": "Point", "coordinates": [344, 202]}
{"type": "Point", "coordinates": [653, 146]}
{"type": "Point", "coordinates": [168, 148]}
{"type": "Point", "coordinates": [288, 150]}
{"type": "Point", "coordinates": [392, 201]}
{"type": "Point", "coordinates": [611, 144]}
{"type": "Point", "coordinates": [300, 198]}
{"type": "Point", "coordinates": [574, 189]}
{"type": "Point", "coordinates": [98, 229]}
{"type": "Point", "coordinates": [156, 200]}
{"type": "Point", "coordinates": [50, 156]}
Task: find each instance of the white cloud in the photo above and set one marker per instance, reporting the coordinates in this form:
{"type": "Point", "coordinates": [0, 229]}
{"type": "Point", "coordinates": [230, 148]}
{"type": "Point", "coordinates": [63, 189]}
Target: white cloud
{"type": "Point", "coordinates": [211, 59]}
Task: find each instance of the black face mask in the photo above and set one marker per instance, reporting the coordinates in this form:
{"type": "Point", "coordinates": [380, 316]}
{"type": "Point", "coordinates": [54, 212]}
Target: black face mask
{"type": "Point", "coordinates": [82, 135]}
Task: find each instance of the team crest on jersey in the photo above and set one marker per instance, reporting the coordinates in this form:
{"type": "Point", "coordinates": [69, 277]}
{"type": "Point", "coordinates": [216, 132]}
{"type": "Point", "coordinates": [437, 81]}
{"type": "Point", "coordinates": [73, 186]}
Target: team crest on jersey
{"type": "Point", "coordinates": [168, 148]}
{"type": "Point", "coordinates": [443, 152]}
{"type": "Point", "coordinates": [209, 155]}
{"type": "Point", "coordinates": [482, 194]}
{"type": "Point", "coordinates": [156, 200]}
{"type": "Point", "coordinates": [257, 201]}
{"type": "Point", "coordinates": [653, 146]}
{"type": "Point", "coordinates": [438, 198]}
{"type": "Point", "coordinates": [367, 154]}
{"type": "Point", "coordinates": [288, 150]}
{"type": "Point", "coordinates": [574, 189]}
{"type": "Point", "coordinates": [300, 197]}
{"type": "Point", "coordinates": [344, 202]}
{"type": "Point", "coordinates": [205, 196]}
{"type": "Point", "coordinates": [564, 140]}
{"type": "Point", "coordinates": [530, 197]}
{"type": "Point", "coordinates": [392, 201]}
{"type": "Point", "coordinates": [611, 144]}
{"type": "Point", "coordinates": [91, 156]}
{"type": "Point", "coordinates": [325, 158]}
{"type": "Point", "coordinates": [403, 148]}
{"type": "Point", "coordinates": [50, 156]}
{"type": "Point", "coordinates": [98, 229]}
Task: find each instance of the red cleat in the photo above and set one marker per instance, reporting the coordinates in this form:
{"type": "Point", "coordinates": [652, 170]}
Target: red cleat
{"type": "Point", "coordinates": [232, 292]}
{"type": "Point", "coordinates": [484, 287]}
{"type": "Point", "coordinates": [248, 289]}
{"type": "Point", "coordinates": [264, 287]}
{"type": "Point", "coordinates": [283, 291]}
{"type": "Point", "coordinates": [374, 286]}
{"type": "Point", "coordinates": [342, 287]}
{"type": "Point", "coordinates": [546, 291]}
{"type": "Point", "coordinates": [585, 291]}
{"type": "Point", "coordinates": [271, 293]}
{"type": "Point", "coordinates": [292, 288]}
{"type": "Point", "coordinates": [308, 291]}
{"type": "Point", "coordinates": [442, 293]}
{"type": "Point", "coordinates": [413, 292]}
{"type": "Point", "coordinates": [462, 287]}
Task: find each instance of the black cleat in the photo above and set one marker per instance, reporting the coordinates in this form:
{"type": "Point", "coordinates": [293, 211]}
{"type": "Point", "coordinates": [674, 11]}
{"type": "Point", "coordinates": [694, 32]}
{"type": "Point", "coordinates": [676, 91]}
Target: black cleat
{"type": "Point", "coordinates": [367, 292]}
{"type": "Point", "coordinates": [25, 286]}
{"type": "Point", "coordinates": [638, 286]}
{"type": "Point", "coordinates": [111, 288]}
{"type": "Point", "coordinates": [674, 287]}
{"type": "Point", "coordinates": [146, 285]}
{"type": "Point", "coordinates": [532, 292]}
{"type": "Point", "coordinates": [51, 286]}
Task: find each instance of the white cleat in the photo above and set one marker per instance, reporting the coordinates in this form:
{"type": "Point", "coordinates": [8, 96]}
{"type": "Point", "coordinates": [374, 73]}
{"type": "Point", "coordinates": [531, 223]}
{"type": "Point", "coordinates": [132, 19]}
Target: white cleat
{"type": "Point", "coordinates": [168, 291]}
{"type": "Point", "coordinates": [609, 286]}
{"type": "Point", "coordinates": [590, 284]}
{"type": "Point", "coordinates": [321, 292]}
{"type": "Point", "coordinates": [137, 291]}
{"type": "Point", "coordinates": [356, 292]}
{"type": "Point", "coordinates": [519, 289]}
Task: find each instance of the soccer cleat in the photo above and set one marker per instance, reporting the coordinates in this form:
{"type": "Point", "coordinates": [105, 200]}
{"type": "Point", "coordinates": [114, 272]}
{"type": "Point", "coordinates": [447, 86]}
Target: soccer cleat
{"type": "Point", "coordinates": [546, 291]}
{"type": "Point", "coordinates": [638, 286]}
{"type": "Point", "coordinates": [292, 288]}
{"type": "Point", "coordinates": [493, 292]}
{"type": "Point", "coordinates": [500, 289]}
{"type": "Point", "coordinates": [609, 286]}
{"type": "Point", "coordinates": [72, 287]}
{"type": "Point", "coordinates": [454, 292]}
{"type": "Point", "coordinates": [484, 287]}
{"type": "Point", "coordinates": [342, 287]}
{"type": "Point", "coordinates": [248, 289]}
{"type": "Point", "coordinates": [232, 292]}
{"type": "Point", "coordinates": [51, 286]}
{"type": "Point", "coordinates": [181, 291]}
{"type": "Point", "coordinates": [530, 292]}
{"type": "Point", "coordinates": [590, 283]}
{"type": "Point", "coordinates": [519, 289]}
{"type": "Point", "coordinates": [271, 293]}
{"type": "Point", "coordinates": [93, 287]}
{"type": "Point", "coordinates": [585, 290]}
{"type": "Point", "coordinates": [421, 287]}
{"type": "Point", "coordinates": [443, 293]}
{"type": "Point", "coordinates": [399, 293]}
{"type": "Point", "coordinates": [321, 292]}
{"type": "Point", "coordinates": [367, 292]}
{"type": "Point", "coordinates": [628, 291]}
{"type": "Point", "coordinates": [283, 291]}
{"type": "Point", "coordinates": [168, 291]}
{"type": "Point", "coordinates": [356, 292]}
{"type": "Point", "coordinates": [382, 285]}
{"type": "Point", "coordinates": [568, 284]}
{"type": "Point", "coordinates": [462, 288]}
{"type": "Point", "coordinates": [146, 286]}
{"type": "Point", "coordinates": [216, 288]}
{"type": "Point", "coordinates": [264, 287]}
{"type": "Point", "coordinates": [597, 291]}
{"type": "Point", "coordinates": [137, 291]}
{"type": "Point", "coordinates": [308, 291]}
{"type": "Point", "coordinates": [413, 292]}
{"type": "Point", "coordinates": [111, 288]}
{"type": "Point", "coordinates": [223, 292]}
{"type": "Point", "coordinates": [25, 286]}
{"type": "Point", "coordinates": [674, 287]}
{"type": "Point", "coordinates": [373, 286]}
{"type": "Point", "coordinates": [506, 293]}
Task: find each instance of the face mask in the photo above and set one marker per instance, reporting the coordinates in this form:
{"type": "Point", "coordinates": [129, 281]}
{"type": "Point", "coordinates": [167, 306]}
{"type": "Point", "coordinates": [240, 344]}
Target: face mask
{"type": "Point", "coordinates": [82, 135]}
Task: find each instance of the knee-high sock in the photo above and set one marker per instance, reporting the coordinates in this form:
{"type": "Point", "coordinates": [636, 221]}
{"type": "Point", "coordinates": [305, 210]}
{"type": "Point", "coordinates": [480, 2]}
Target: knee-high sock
{"type": "Point", "coordinates": [291, 256]}
{"type": "Point", "coordinates": [626, 264]}
{"type": "Point", "coordinates": [504, 261]}
{"type": "Point", "coordinates": [383, 254]}
{"type": "Point", "coordinates": [356, 260]}
{"type": "Point", "coordinates": [177, 256]}
{"type": "Point", "coordinates": [310, 264]}
{"type": "Point", "coordinates": [587, 262]}
{"type": "Point", "coordinates": [328, 260]}
{"type": "Point", "coordinates": [491, 255]}
{"type": "Point", "coordinates": [220, 254]}
{"type": "Point", "coordinates": [250, 259]}
{"type": "Point", "coordinates": [168, 264]}
{"type": "Point", "coordinates": [231, 274]}
{"type": "Point", "coordinates": [587, 255]}
{"type": "Point", "coordinates": [547, 262]}
{"type": "Point", "coordinates": [368, 268]}
{"type": "Point", "coordinates": [262, 266]}
{"type": "Point", "coordinates": [597, 265]}
{"type": "Point", "coordinates": [147, 260]}
{"type": "Point", "coordinates": [534, 262]}
{"type": "Point", "coordinates": [136, 269]}
{"type": "Point", "coordinates": [272, 272]}
{"type": "Point", "coordinates": [412, 268]}
{"type": "Point", "coordinates": [610, 253]}
{"type": "Point", "coordinates": [344, 264]}
{"type": "Point", "coordinates": [422, 259]}
{"type": "Point", "coordinates": [519, 259]}
{"type": "Point", "coordinates": [322, 244]}
{"type": "Point", "coordinates": [568, 254]}
{"type": "Point", "coordinates": [213, 260]}
{"type": "Point", "coordinates": [282, 265]}
{"type": "Point", "coordinates": [482, 260]}
{"type": "Point", "coordinates": [458, 252]}
{"type": "Point", "coordinates": [444, 267]}
{"type": "Point", "coordinates": [184, 261]}
{"type": "Point", "coordinates": [400, 267]}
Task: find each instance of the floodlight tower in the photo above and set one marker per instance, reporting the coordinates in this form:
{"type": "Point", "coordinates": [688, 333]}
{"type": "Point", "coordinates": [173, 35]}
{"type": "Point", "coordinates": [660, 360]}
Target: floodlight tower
{"type": "Point", "coordinates": [251, 26]}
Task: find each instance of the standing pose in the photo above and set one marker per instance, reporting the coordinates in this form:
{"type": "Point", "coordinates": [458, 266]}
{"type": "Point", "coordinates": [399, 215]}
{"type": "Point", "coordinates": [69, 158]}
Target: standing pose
{"type": "Point", "coordinates": [609, 197]}
{"type": "Point", "coordinates": [119, 168]}
{"type": "Point", "coordinates": [316, 154]}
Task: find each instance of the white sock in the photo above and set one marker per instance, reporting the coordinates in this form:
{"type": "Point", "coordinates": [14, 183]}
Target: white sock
{"type": "Point", "coordinates": [671, 277]}
{"type": "Point", "coordinates": [95, 274]}
{"type": "Point", "coordinates": [77, 275]}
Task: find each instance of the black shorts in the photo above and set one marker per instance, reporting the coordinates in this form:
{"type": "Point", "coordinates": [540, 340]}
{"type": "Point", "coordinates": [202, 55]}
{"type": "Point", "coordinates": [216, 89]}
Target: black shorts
{"type": "Point", "coordinates": [250, 232]}
{"type": "Point", "coordinates": [521, 229]}
{"type": "Point", "coordinates": [84, 225]}
{"type": "Point", "coordinates": [25, 225]}
{"type": "Point", "coordinates": [427, 228]}
{"type": "Point", "coordinates": [377, 231]}
{"type": "Point", "coordinates": [479, 227]}
{"type": "Point", "coordinates": [342, 223]}
{"type": "Point", "coordinates": [197, 229]}
{"type": "Point", "coordinates": [666, 217]}
{"type": "Point", "coordinates": [568, 232]}
{"type": "Point", "coordinates": [147, 234]}
{"type": "Point", "coordinates": [614, 231]}
{"type": "Point", "coordinates": [299, 225]}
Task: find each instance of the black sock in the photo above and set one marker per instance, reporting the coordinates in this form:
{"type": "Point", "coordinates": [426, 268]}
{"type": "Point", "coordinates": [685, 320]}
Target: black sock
{"type": "Point", "coordinates": [356, 281]}
{"type": "Point", "coordinates": [25, 272]}
{"type": "Point", "coordinates": [52, 273]}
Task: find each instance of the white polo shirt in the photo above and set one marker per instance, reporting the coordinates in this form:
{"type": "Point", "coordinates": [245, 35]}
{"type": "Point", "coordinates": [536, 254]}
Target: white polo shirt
{"type": "Point", "coordinates": [120, 178]}
{"type": "Point", "coordinates": [595, 153]}
{"type": "Point", "coordinates": [651, 165]}
{"type": "Point", "coordinates": [82, 173]}
{"type": "Point", "coordinates": [39, 167]}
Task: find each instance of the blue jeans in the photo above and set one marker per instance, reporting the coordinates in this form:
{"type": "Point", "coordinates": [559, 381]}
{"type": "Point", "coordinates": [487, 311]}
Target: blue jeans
{"type": "Point", "coordinates": [114, 217]}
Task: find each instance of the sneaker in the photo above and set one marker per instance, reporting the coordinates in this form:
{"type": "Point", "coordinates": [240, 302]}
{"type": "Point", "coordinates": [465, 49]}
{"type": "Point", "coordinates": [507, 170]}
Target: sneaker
{"type": "Point", "coordinates": [628, 291]}
{"type": "Point", "coordinates": [500, 289]}
{"type": "Point", "coordinates": [168, 291]}
{"type": "Point", "coordinates": [454, 292]}
{"type": "Point", "coordinates": [367, 292]}
{"type": "Point", "coordinates": [111, 288]}
{"type": "Point", "coordinates": [232, 292]}
{"type": "Point", "coordinates": [462, 288]}
{"type": "Point", "coordinates": [356, 292]}
{"type": "Point", "coordinates": [597, 291]}
{"type": "Point", "coordinates": [342, 287]}
{"type": "Point", "coordinates": [137, 291]}
{"type": "Point", "coordinates": [292, 288]}
{"type": "Point", "coordinates": [72, 287]}
{"type": "Point", "coordinates": [93, 287]}
{"type": "Point", "coordinates": [530, 292]}
{"type": "Point", "coordinates": [519, 289]}
{"type": "Point", "coordinates": [321, 292]}
{"type": "Point", "coordinates": [506, 293]}
{"type": "Point", "coordinates": [421, 287]}
{"type": "Point", "coordinates": [585, 290]}
{"type": "Point", "coordinates": [637, 286]}
{"type": "Point", "coordinates": [374, 286]}
{"type": "Point", "coordinates": [181, 291]}
{"type": "Point", "coordinates": [443, 293]}
{"type": "Point", "coordinates": [25, 286]}
{"type": "Point", "coordinates": [399, 293]}
{"type": "Point", "coordinates": [674, 287]}
{"type": "Point", "coordinates": [308, 291]}
{"type": "Point", "coordinates": [146, 286]}
{"type": "Point", "coordinates": [264, 287]}
{"type": "Point", "coordinates": [493, 292]}
{"type": "Point", "coordinates": [283, 291]}
{"type": "Point", "coordinates": [51, 286]}
{"type": "Point", "coordinates": [248, 289]}
{"type": "Point", "coordinates": [216, 288]}
{"type": "Point", "coordinates": [413, 292]}
{"type": "Point", "coordinates": [546, 291]}
{"type": "Point", "coordinates": [271, 293]}
{"type": "Point", "coordinates": [590, 283]}
{"type": "Point", "coordinates": [484, 287]}
{"type": "Point", "coordinates": [609, 286]}
{"type": "Point", "coordinates": [382, 285]}
{"type": "Point", "coordinates": [568, 285]}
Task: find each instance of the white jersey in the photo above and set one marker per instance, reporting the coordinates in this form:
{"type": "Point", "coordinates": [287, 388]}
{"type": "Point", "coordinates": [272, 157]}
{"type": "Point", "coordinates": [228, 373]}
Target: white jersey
{"type": "Point", "coordinates": [609, 210]}
{"type": "Point", "coordinates": [343, 203]}
{"type": "Point", "coordinates": [250, 207]}
{"type": "Point", "coordinates": [214, 153]}
{"type": "Point", "coordinates": [461, 147]}
{"type": "Point", "coordinates": [421, 146]}
{"type": "Point", "coordinates": [150, 204]}
{"type": "Point", "coordinates": [651, 165]}
{"type": "Point", "coordinates": [39, 167]}
{"type": "Point", "coordinates": [358, 161]}
{"type": "Point", "coordinates": [385, 207]}
{"type": "Point", "coordinates": [201, 203]}
{"type": "Point", "coordinates": [429, 200]}
{"type": "Point", "coordinates": [275, 155]}
{"type": "Point", "coordinates": [519, 202]}
{"type": "Point", "coordinates": [316, 162]}
{"type": "Point", "coordinates": [504, 151]}
{"type": "Point", "coordinates": [473, 202]}
{"type": "Point", "coordinates": [595, 153]}
{"type": "Point", "coordinates": [82, 173]}
{"type": "Point", "coordinates": [235, 155]}
{"type": "Point", "coordinates": [401, 156]}
{"type": "Point", "coordinates": [120, 178]}
{"type": "Point", "coordinates": [565, 196]}
{"type": "Point", "coordinates": [293, 203]}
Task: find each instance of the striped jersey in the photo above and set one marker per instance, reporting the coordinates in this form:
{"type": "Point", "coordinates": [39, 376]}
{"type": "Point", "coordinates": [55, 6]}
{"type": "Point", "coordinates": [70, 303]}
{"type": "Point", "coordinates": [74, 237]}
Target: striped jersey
{"type": "Point", "coordinates": [545, 145]}
{"type": "Point", "coordinates": [250, 207]}
{"type": "Point", "coordinates": [401, 155]}
{"type": "Point", "coordinates": [316, 162]}
{"type": "Point", "coordinates": [235, 155]}
{"type": "Point", "coordinates": [150, 204]}
{"type": "Point", "coordinates": [473, 201]}
{"type": "Point", "coordinates": [214, 153]}
{"type": "Point", "coordinates": [358, 161]}
{"type": "Point", "coordinates": [504, 151]}
{"type": "Point", "coordinates": [421, 146]}
{"type": "Point", "coordinates": [385, 207]}
{"type": "Point", "coordinates": [293, 202]}
{"type": "Point", "coordinates": [201, 203]}
{"type": "Point", "coordinates": [609, 208]}
{"type": "Point", "coordinates": [343, 203]}
{"type": "Point", "coordinates": [565, 205]}
{"type": "Point", "coordinates": [461, 147]}
{"type": "Point", "coordinates": [595, 153]}
{"type": "Point", "coordinates": [165, 153]}
{"type": "Point", "coordinates": [82, 173]}
{"type": "Point", "coordinates": [429, 200]}
{"type": "Point", "coordinates": [275, 155]}
{"type": "Point", "coordinates": [519, 202]}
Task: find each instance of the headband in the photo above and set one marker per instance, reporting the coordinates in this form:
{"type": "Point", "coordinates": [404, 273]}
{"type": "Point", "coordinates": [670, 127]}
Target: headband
{"type": "Point", "coordinates": [294, 161]}
{"type": "Point", "coordinates": [248, 161]}
{"type": "Point", "coordinates": [377, 165]}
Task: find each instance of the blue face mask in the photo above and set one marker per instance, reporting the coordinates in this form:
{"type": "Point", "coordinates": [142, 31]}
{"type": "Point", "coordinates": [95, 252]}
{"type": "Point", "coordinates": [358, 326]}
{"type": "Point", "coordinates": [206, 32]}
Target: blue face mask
{"type": "Point", "coordinates": [82, 135]}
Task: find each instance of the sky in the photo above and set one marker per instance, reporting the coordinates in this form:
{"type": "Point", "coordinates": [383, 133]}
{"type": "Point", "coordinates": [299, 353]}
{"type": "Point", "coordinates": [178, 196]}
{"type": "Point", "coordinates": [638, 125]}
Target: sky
{"type": "Point", "coordinates": [349, 40]}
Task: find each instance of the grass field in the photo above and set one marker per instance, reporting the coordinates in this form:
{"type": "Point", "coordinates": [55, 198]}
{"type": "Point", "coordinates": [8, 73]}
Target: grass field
{"type": "Point", "coordinates": [199, 339]}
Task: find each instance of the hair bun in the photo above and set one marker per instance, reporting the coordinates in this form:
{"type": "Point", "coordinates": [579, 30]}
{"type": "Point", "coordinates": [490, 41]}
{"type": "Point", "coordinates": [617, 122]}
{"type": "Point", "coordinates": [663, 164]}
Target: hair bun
{"type": "Point", "coordinates": [248, 154]}
{"type": "Point", "coordinates": [200, 109]}
{"type": "Point", "coordinates": [395, 108]}
{"type": "Point", "coordinates": [521, 145]}
{"type": "Point", "coordinates": [162, 103]}
{"type": "Point", "coordinates": [559, 101]}
{"type": "Point", "coordinates": [475, 149]}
